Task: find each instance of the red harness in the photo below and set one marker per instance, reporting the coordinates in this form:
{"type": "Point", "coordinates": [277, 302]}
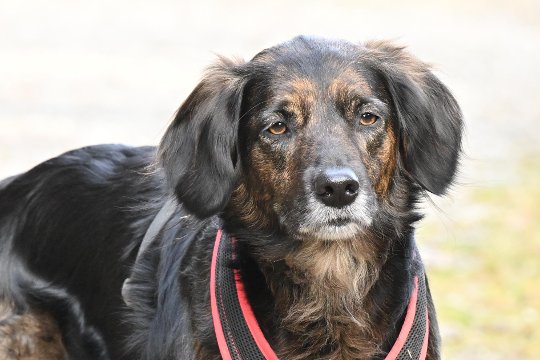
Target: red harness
{"type": "Point", "coordinates": [238, 333]}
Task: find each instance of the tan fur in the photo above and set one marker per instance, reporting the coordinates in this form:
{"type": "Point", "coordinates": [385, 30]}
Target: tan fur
{"type": "Point", "coordinates": [301, 99]}
{"type": "Point", "coordinates": [326, 307]}
{"type": "Point", "coordinates": [388, 159]}
{"type": "Point", "coordinates": [349, 79]}
{"type": "Point", "coordinates": [30, 336]}
{"type": "Point", "coordinates": [248, 206]}
{"type": "Point", "coordinates": [303, 86]}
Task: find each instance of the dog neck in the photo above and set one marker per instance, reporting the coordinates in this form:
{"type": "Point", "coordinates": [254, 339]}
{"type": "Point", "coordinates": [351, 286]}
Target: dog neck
{"type": "Point", "coordinates": [324, 302]}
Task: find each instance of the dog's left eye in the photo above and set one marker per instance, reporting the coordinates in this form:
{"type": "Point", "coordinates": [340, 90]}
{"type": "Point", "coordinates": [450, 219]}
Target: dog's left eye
{"type": "Point", "coordinates": [278, 128]}
{"type": "Point", "coordinates": [368, 118]}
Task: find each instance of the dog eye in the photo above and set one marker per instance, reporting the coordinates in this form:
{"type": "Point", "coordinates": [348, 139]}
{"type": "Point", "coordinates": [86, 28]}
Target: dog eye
{"type": "Point", "coordinates": [278, 128]}
{"type": "Point", "coordinates": [368, 118]}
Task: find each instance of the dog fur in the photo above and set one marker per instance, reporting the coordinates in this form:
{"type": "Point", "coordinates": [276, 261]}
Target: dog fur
{"type": "Point", "coordinates": [325, 281]}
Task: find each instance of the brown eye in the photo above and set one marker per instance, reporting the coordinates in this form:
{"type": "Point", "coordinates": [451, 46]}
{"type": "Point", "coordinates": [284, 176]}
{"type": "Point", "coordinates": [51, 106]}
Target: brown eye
{"type": "Point", "coordinates": [278, 128]}
{"type": "Point", "coordinates": [368, 119]}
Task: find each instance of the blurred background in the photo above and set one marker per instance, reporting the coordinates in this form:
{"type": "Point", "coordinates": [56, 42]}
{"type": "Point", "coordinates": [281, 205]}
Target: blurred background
{"type": "Point", "coordinates": [75, 73]}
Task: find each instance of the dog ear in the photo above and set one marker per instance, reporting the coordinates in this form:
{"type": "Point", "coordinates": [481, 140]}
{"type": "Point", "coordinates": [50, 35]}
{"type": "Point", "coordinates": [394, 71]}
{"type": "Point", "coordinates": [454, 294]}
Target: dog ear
{"type": "Point", "coordinates": [428, 116]}
{"type": "Point", "coordinates": [198, 151]}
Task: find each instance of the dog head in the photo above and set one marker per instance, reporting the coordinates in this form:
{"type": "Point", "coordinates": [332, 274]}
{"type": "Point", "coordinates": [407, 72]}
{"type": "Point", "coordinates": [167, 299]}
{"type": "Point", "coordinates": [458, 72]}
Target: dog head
{"type": "Point", "coordinates": [320, 139]}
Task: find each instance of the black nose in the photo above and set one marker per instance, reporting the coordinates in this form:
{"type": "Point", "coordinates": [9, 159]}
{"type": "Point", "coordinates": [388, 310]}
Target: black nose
{"type": "Point", "coordinates": [336, 187]}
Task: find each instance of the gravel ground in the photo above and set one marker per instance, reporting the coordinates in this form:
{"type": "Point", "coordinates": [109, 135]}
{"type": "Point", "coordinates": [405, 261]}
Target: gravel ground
{"type": "Point", "coordinates": [77, 73]}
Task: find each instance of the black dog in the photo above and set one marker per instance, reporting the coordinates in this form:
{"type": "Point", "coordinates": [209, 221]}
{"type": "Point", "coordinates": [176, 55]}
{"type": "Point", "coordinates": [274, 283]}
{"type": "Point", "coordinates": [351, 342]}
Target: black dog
{"type": "Point", "coordinates": [313, 155]}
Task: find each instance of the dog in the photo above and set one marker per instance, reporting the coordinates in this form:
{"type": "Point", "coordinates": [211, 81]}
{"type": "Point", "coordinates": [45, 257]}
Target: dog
{"type": "Point", "coordinates": [313, 156]}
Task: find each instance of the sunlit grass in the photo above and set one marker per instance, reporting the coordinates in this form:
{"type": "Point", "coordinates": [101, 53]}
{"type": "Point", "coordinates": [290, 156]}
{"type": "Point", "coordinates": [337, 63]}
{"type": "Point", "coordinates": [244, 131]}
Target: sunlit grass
{"type": "Point", "coordinates": [485, 276]}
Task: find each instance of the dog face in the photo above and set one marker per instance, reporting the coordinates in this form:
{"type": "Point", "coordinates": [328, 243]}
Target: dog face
{"type": "Point", "coordinates": [320, 139]}
{"type": "Point", "coordinates": [316, 141]}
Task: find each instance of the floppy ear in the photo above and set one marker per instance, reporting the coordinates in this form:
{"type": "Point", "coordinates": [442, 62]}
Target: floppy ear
{"type": "Point", "coordinates": [428, 116]}
{"type": "Point", "coordinates": [198, 150]}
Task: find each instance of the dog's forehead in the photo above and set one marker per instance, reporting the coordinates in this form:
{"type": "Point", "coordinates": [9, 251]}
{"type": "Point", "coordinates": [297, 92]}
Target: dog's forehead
{"type": "Point", "coordinates": [304, 50]}
{"type": "Point", "coordinates": [304, 67]}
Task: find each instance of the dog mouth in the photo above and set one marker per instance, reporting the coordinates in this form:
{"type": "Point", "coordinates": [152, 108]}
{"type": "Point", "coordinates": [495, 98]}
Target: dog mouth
{"type": "Point", "coordinates": [340, 221]}
{"type": "Point", "coordinates": [318, 222]}
{"type": "Point", "coordinates": [340, 228]}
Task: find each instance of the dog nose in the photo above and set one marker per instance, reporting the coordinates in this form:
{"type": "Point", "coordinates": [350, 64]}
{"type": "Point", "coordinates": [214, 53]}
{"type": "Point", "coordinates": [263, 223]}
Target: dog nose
{"type": "Point", "coordinates": [336, 187]}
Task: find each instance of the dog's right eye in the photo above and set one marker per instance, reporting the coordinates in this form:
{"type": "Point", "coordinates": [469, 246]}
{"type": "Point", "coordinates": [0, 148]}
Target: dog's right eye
{"type": "Point", "coordinates": [278, 128]}
{"type": "Point", "coordinates": [368, 118]}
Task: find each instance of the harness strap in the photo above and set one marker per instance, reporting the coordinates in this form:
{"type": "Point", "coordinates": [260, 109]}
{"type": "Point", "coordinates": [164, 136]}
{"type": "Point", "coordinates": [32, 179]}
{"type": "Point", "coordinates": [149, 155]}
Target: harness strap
{"type": "Point", "coordinates": [412, 340]}
{"type": "Point", "coordinates": [240, 337]}
{"type": "Point", "coordinates": [164, 214]}
{"type": "Point", "coordinates": [237, 330]}
{"type": "Point", "coordinates": [155, 227]}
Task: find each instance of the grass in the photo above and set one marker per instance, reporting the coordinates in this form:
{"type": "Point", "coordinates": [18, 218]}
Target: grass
{"type": "Point", "coordinates": [486, 277]}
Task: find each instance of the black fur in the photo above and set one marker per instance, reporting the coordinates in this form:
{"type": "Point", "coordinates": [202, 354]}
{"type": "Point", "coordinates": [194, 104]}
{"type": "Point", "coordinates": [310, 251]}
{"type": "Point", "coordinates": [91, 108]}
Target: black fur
{"type": "Point", "coordinates": [430, 119]}
{"type": "Point", "coordinates": [199, 148]}
{"type": "Point", "coordinates": [71, 227]}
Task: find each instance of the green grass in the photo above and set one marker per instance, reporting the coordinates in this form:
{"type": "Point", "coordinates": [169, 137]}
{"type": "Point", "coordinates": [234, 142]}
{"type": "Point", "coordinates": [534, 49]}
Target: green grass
{"type": "Point", "coordinates": [486, 280]}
